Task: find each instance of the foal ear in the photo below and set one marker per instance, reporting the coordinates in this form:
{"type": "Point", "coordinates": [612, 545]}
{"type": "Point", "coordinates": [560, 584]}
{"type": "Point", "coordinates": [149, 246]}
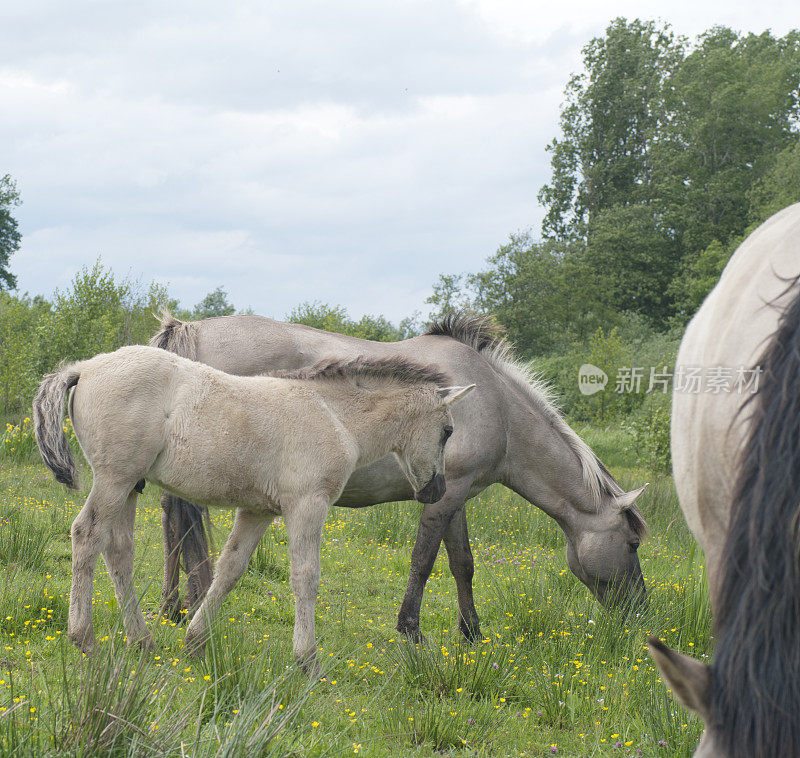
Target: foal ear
{"type": "Point", "coordinates": [448, 395]}
{"type": "Point", "coordinates": [689, 679]}
{"type": "Point", "coordinates": [627, 499]}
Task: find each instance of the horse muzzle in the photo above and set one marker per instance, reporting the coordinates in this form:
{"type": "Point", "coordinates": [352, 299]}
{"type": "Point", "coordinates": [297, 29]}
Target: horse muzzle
{"type": "Point", "coordinates": [433, 491]}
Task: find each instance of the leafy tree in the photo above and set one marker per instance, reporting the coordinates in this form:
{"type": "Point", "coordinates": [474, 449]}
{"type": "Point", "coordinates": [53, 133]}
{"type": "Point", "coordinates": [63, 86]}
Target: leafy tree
{"type": "Point", "coordinates": [779, 187]}
{"type": "Point", "coordinates": [533, 289]}
{"type": "Point", "coordinates": [10, 237]}
{"type": "Point", "coordinates": [450, 294]}
{"type": "Point", "coordinates": [96, 314]}
{"type": "Point", "coordinates": [19, 317]}
{"type": "Point", "coordinates": [733, 104]}
{"type": "Point", "coordinates": [608, 125]}
{"type": "Point", "coordinates": [634, 258]}
{"type": "Point", "coordinates": [213, 304]}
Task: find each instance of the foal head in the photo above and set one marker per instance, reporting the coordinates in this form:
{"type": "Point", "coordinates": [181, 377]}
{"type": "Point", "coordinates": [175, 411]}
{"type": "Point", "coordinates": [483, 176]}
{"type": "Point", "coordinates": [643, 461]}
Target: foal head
{"type": "Point", "coordinates": [430, 425]}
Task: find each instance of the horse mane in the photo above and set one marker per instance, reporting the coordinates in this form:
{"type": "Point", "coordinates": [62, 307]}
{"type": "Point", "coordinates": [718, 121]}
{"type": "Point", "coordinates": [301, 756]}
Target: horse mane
{"type": "Point", "coordinates": [483, 334]}
{"type": "Point", "coordinates": [393, 368]}
{"type": "Point", "coordinates": [176, 336]}
{"type": "Point", "coordinates": [755, 677]}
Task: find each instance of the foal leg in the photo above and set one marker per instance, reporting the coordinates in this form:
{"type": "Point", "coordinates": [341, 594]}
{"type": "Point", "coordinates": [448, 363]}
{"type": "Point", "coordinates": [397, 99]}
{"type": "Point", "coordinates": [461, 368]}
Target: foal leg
{"type": "Point", "coordinates": [118, 555]}
{"type": "Point", "coordinates": [248, 528]}
{"type": "Point", "coordinates": [91, 531]}
{"type": "Point", "coordinates": [304, 523]}
{"type": "Point", "coordinates": [432, 525]}
{"type": "Point", "coordinates": [462, 566]}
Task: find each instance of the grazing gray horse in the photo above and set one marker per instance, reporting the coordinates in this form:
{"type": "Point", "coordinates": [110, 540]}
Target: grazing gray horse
{"type": "Point", "coordinates": [265, 446]}
{"type": "Point", "coordinates": [508, 432]}
{"type": "Point", "coordinates": [736, 459]}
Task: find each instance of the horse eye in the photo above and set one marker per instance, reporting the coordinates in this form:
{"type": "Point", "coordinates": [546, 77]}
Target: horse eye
{"type": "Point", "coordinates": [448, 430]}
{"type": "Point", "coordinates": [634, 546]}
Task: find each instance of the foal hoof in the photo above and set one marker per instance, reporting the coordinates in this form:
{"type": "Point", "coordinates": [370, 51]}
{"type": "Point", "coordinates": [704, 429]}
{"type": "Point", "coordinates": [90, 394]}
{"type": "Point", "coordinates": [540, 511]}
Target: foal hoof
{"type": "Point", "coordinates": [83, 641]}
{"type": "Point", "coordinates": [194, 644]}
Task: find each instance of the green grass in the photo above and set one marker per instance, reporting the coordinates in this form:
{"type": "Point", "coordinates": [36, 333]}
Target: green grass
{"type": "Point", "coordinates": [553, 669]}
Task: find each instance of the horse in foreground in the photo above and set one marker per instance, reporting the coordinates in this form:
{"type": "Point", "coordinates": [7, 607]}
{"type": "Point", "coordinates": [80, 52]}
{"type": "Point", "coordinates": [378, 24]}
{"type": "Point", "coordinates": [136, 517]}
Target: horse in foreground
{"type": "Point", "coordinates": [736, 459]}
{"type": "Point", "coordinates": [265, 446]}
{"type": "Point", "coordinates": [510, 432]}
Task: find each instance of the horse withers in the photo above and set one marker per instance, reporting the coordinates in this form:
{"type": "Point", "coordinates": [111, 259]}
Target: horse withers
{"type": "Point", "coordinates": [736, 461]}
{"type": "Point", "coordinates": [266, 446]}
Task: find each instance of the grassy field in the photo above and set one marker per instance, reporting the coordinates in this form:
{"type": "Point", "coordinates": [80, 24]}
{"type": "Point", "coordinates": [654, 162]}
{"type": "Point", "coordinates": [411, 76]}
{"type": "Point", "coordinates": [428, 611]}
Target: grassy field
{"type": "Point", "coordinates": [554, 674]}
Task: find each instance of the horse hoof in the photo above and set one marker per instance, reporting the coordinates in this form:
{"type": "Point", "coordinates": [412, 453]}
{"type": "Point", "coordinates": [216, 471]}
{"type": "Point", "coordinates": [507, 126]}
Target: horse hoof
{"type": "Point", "coordinates": [414, 636]}
{"type": "Point", "coordinates": [310, 665]}
{"type": "Point", "coordinates": [471, 633]}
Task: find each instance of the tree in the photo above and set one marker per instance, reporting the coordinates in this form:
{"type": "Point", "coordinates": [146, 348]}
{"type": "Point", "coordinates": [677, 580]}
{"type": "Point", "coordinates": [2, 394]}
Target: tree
{"type": "Point", "coordinates": [779, 187]}
{"type": "Point", "coordinates": [10, 237]}
{"type": "Point", "coordinates": [97, 314]}
{"type": "Point", "coordinates": [634, 257]}
{"type": "Point", "coordinates": [537, 291]}
{"type": "Point", "coordinates": [19, 317]}
{"type": "Point", "coordinates": [733, 105]}
{"type": "Point", "coordinates": [608, 124]}
{"type": "Point", "coordinates": [213, 304]}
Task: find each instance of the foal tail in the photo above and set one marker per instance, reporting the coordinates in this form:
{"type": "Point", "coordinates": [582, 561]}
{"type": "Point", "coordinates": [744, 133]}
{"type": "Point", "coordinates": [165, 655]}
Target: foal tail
{"type": "Point", "coordinates": [757, 665]}
{"type": "Point", "coordinates": [48, 423]}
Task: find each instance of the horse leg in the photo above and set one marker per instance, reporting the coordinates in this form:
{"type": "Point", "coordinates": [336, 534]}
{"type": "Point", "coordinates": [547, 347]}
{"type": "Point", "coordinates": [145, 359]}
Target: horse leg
{"type": "Point", "coordinates": [432, 525]}
{"type": "Point", "coordinates": [248, 528]}
{"type": "Point", "coordinates": [91, 531]}
{"type": "Point", "coordinates": [462, 566]}
{"type": "Point", "coordinates": [184, 535]}
{"type": "Point", "coordinates": [170, 528]}
{"type": "Point", "coordinates": [196, 558]}
{"type": "Point", "coordinates": [304, 524]}
{"type": "Point", "coordinates": [118, 555]}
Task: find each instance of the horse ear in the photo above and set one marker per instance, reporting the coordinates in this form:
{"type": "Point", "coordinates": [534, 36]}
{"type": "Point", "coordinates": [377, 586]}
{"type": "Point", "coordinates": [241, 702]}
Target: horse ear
{"type": "Point", "coordinates": [448, 395]}
{"type": "Point", "coordinates": [627, 499]}
{"type": "Point", "coordinates": [689, 679]}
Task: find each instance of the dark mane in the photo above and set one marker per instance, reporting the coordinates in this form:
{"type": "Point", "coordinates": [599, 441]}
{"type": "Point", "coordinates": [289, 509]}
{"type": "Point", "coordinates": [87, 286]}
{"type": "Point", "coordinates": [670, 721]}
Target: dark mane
{"type": "Point", "coordinates": [478, 330]}
{"type": "Point", "coordinates": [394, 368]}
{"type": "Point", "coordinates": [755, 690]}
{"type": "Point", "coordinates": [482, 333]}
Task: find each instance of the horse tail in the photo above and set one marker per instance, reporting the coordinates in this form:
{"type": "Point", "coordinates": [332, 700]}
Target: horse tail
{"type": "Point", "coordinates": [176, 336]}
{"type": "Point", "coordinates": [755, 692]}
{"type": "Point", "coordinates": [48, 423]}
{"type": "Point", "coordinates": [186, 527]}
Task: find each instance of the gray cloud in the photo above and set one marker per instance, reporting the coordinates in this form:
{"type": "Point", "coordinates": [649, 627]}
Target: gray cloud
{"type": "Point", "coordinates": [345, 152]}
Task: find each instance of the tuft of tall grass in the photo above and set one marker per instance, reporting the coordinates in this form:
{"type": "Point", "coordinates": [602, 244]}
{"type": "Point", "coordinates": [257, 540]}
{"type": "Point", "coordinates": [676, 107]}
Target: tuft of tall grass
{"type": "Point", "coordinates": [440, 725]}
{"type": "Point", "coordinates": [267, 561]}
{"type": "Point", "coordinates": [478, 671]}
{"type": "Point", "coordinates": [24, 538]}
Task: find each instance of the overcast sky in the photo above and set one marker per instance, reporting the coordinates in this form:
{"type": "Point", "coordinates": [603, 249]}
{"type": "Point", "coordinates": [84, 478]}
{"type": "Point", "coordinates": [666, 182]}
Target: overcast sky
{"type": "Point", "coordinates": [347, 152]}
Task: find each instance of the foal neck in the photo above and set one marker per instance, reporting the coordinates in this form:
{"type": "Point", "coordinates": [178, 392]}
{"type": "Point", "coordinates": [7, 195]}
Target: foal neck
{"type": "Point", "coordinates": [378, 419]}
